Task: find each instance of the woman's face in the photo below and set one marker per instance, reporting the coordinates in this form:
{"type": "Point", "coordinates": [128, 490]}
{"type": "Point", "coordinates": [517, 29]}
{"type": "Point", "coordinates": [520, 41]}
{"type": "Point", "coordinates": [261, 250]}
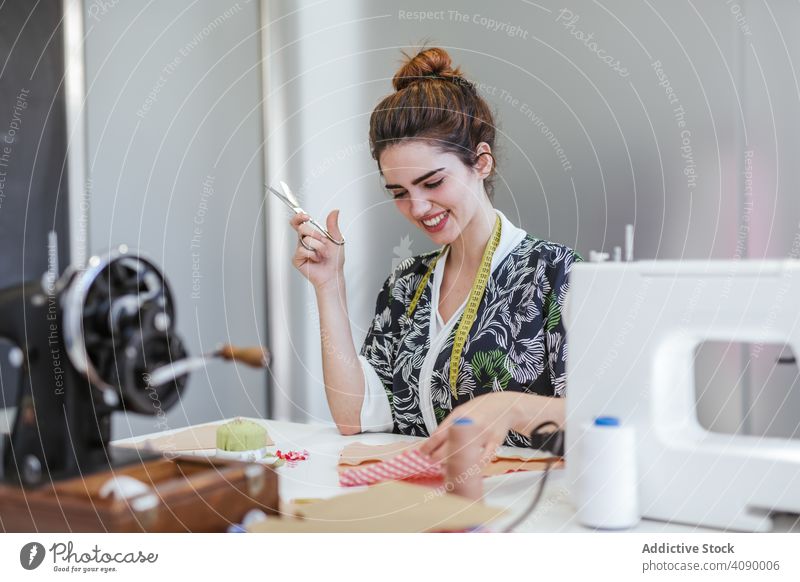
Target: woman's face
{"type": "Point", "coordinates": [433, 189]}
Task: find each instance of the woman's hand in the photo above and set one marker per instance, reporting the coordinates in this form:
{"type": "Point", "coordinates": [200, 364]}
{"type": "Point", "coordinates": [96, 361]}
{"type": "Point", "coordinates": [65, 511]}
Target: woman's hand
{"type": "Point", "coordinates": [322, 263]}
{"type": "Point", "coordinates": [494, 414]}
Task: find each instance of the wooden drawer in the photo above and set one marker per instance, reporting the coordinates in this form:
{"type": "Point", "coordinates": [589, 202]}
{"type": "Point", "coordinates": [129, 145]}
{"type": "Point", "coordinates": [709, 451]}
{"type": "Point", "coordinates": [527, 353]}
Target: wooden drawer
{"type": "Point", "coordinates": [188, 494]}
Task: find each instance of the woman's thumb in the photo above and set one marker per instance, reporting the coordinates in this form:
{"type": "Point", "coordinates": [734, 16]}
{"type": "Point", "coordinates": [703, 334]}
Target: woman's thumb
{"type": "Point", "coordinates": [333, 224]}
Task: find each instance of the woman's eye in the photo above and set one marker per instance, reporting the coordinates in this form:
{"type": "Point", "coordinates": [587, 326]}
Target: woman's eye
{"type": "Point", "coordinates": [434, 184]}
{"type": "Point", "coordinates": [397, 195]}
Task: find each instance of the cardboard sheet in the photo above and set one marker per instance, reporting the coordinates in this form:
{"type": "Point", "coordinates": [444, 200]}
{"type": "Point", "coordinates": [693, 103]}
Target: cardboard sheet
{"type": "Point", "coordinates": [387, 507]}
{"type": "Point", "coordinates": [503, 466]}
{"type": "Point", "coordinates": [358, 453]}
{"type": "Point", "coordinates": [193, 438]}
{"type": "Point", "coordinates": [506, 460]}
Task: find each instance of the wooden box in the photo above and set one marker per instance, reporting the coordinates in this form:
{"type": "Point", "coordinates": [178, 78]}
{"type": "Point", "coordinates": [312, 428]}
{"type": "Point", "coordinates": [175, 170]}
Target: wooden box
{"type": "Point", "coordinates": [187, 494]}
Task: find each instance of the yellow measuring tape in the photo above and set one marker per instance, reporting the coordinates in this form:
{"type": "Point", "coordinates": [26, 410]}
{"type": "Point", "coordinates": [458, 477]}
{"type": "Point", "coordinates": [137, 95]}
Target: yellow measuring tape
{"type": "Point", "coordinates": [471, 310]}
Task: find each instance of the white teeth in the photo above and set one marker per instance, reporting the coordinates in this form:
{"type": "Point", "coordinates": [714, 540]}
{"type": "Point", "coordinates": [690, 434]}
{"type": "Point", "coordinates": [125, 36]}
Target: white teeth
{"type": "Point", "coordinates": [435, 220]}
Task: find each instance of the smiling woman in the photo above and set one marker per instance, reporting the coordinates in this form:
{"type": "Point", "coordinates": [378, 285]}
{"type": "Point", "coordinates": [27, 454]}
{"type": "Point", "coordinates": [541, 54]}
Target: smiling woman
{"type": "Point", "coordinates": [474, 328]}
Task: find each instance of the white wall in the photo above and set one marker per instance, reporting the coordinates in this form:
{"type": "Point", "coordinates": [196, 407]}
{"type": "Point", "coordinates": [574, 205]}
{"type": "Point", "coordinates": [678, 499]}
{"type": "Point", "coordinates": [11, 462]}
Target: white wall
{"type": "Point", "coordinates": [317, 105]}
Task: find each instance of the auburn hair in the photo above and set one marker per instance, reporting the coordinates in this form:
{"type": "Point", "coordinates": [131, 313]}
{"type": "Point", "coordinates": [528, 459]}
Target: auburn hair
{"type": "Point", "coordinates": [433, 102]}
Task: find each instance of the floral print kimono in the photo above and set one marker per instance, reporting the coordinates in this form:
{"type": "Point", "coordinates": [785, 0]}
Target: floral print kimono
{"type": "Point", "coordinates": [516, 343]}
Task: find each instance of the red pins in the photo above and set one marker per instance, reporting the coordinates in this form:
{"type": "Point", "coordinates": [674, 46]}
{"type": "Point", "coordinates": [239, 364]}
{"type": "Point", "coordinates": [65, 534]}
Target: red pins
{"type": "Point", "coordinates": [292, 456]}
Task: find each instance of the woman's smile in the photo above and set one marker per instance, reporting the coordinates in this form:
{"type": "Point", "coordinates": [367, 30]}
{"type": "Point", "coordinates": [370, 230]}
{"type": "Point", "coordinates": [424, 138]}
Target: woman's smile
{"type": "Point", "coordinates": [436, 222]}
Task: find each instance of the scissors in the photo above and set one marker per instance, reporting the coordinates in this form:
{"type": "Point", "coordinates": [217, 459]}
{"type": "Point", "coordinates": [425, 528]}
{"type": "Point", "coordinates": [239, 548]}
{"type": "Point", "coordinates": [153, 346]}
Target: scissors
{"type": "Point", "coordinates": [288, 198]}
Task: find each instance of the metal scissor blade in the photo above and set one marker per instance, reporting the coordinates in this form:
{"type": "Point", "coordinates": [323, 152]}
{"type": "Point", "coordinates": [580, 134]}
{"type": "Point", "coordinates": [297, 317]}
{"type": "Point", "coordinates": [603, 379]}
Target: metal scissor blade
{"type": "Point", "coordinates": [289, 194]}
{"type": "Point", "coordinates": [288, 198]}
{"type": "Point", "coordinates": [295, 208]}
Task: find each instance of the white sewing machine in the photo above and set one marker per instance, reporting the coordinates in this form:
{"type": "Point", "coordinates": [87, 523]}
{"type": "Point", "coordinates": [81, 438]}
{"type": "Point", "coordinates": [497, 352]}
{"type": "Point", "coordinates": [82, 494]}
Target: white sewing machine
{"type": "Point", "coordinates": [633, 329]}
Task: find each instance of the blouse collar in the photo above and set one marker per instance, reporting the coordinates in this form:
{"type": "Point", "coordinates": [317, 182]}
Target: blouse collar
{"type": "Point", "coordinates": [510, 238]}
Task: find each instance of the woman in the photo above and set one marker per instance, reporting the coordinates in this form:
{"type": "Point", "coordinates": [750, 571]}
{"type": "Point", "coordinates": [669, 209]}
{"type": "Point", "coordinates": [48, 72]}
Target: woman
{"type": "Point", "coordinates": [474, 328]}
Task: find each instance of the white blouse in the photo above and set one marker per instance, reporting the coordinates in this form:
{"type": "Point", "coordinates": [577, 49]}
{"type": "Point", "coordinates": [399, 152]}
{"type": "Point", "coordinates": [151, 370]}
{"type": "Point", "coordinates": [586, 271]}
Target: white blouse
{"type": "Point", "coordinates": [376, 412]}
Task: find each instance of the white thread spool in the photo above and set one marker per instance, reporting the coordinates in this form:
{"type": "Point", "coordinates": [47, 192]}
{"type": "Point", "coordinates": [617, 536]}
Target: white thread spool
{"type": "Point", "coordinates": [607, 495]}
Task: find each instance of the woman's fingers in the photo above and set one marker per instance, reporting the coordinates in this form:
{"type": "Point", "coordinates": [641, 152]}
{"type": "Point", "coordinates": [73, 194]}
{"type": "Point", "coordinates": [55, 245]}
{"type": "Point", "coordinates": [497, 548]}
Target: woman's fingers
{"type": "Point", "coordinates": [309, 230]}
{"type": "Point", "coordinates": [302, 224]}
{"type": "Point", "coordinates": [297, 219]}
{"type": "Point", "coordinates": [435, 445]}
{"type": "Point", "coordinates": [493, 441]}
{"type": "Point", "coordinates": [315, 256]}
{"type": "Point", "coordinates": [302, 255]}
{"type": "Point", "coordinates": [312, 241]}
{"type": "Point", "coordinates": [312, 244]}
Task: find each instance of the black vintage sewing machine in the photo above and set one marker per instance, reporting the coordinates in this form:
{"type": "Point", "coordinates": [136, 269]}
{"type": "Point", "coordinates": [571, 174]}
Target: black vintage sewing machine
{"type": "Point", "coordinates": [88, 341]}
{"type": "Point", "coordinates": [87, 344]}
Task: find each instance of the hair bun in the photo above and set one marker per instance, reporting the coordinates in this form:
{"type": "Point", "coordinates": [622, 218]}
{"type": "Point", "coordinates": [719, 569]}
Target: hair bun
{"type": "Point", "coordinates": [430, 62]}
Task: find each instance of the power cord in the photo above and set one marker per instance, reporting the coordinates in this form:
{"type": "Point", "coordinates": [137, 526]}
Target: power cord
{"type": "Point", "coordinates": [553, 442]}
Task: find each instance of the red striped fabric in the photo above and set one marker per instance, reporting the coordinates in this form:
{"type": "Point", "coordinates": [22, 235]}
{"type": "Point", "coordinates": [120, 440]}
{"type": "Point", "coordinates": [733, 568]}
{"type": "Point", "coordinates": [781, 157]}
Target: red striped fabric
{"type": "Point", "coordinates": [409, 465]}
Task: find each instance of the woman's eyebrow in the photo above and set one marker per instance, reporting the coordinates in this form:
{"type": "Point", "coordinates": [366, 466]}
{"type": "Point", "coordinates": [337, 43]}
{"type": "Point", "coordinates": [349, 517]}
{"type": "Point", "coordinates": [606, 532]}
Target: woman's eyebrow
{"type": "Point", "coordinates": [415, 181]}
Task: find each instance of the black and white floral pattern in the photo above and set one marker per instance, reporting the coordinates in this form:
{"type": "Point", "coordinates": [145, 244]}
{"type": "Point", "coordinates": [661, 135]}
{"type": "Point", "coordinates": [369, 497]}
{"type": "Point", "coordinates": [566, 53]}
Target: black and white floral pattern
{"type": "Point", "coordinates": [516, 343]}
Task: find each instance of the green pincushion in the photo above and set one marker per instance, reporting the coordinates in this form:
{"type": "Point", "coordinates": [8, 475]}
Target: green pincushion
{"type": "Point", "coordinates": [241, 435]}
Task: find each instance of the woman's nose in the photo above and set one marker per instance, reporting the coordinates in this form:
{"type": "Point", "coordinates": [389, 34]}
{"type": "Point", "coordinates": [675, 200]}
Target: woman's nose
{"type": "Point", "coordinates": [419, 206]}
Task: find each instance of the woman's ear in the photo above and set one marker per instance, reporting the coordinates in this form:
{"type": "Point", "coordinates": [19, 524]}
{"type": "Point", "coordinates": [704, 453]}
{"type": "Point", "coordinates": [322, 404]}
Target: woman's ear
{"type": "Point", "coordinates": [485, 163]}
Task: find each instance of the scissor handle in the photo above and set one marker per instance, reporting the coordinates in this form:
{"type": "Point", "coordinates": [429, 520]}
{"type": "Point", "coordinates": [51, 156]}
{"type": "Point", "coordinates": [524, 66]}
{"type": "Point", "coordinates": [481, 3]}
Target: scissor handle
{"type": "Point", "coordinates": [297, 210]}
{"type": "Point", "coordinates": [325, 232]}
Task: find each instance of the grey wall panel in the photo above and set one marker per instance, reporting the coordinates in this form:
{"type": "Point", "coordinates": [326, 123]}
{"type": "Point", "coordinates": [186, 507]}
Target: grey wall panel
{"type": "Point", "coordinates": [619, 133]}
{"type": "Point", "coordinates": [316, 107]}
{"type": "Point", "coordinates": [176, 168]}
{"type": "Point", "coordinates": [772, 88]}
{"type": "Point", "coordinates": [771, 56]}
{"type": "Point", "coordinates": [34, 145]}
